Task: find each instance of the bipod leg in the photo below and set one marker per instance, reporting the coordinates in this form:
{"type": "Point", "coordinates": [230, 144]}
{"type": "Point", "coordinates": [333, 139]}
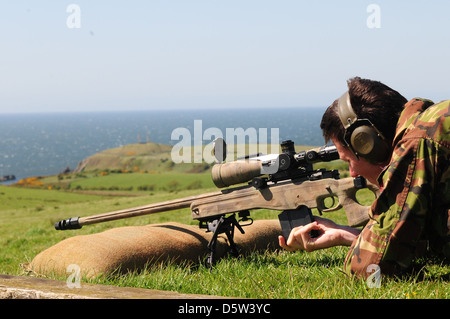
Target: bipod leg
{"type": "Point", "coordinates": [214, 226]}
{"type": "Point", "coordinates": [218, 226]}
{"type": "Point", "coordinates": [234, 251]}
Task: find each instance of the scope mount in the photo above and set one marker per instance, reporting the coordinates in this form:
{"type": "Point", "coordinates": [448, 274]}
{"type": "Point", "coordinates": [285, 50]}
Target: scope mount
{"type": "Point", "coordinates": [299, 174]}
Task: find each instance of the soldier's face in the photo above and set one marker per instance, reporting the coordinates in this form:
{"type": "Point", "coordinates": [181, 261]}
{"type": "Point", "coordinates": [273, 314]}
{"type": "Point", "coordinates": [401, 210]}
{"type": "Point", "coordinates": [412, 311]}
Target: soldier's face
{"type": "Point", "coordinates": [357, 167]}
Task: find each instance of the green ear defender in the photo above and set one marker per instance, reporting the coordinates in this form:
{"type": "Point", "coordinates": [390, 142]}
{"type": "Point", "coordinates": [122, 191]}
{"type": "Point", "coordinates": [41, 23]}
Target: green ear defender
{"type": "Point", "coordinates": [361, 136]}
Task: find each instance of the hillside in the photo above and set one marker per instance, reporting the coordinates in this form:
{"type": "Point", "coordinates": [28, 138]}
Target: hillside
{"type": "Point", "coordinates": [149, 157]}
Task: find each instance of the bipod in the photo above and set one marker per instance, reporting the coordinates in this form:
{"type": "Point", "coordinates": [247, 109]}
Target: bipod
{"type": "Point", "coordinates": [224, 225]}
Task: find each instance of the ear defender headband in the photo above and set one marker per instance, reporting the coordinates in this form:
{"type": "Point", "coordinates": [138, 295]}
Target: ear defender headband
{"type": "Point", "coordinates": [361, 136]}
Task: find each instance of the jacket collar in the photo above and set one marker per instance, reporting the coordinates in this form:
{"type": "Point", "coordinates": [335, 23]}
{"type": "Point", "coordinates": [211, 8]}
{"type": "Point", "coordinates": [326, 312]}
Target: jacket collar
{"type": "Point", "coordinates": [410, 112]}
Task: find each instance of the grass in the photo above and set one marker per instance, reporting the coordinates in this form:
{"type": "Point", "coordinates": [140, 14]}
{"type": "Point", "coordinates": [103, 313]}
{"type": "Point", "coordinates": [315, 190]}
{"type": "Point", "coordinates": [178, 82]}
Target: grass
{"type": "Point", "coordinates": [27, 216]}
{"type": "Point", "coordinates": [29, 199]}
{"type": "Point", "coordinates": [170, 182]}
{"type": "Point", "coordinates": [281, 275]}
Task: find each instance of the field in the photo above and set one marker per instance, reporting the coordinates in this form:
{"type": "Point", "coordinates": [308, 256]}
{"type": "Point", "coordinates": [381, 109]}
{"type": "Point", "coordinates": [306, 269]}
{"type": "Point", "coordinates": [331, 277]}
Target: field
{"type": "Point", "coordinates": [27, 216]}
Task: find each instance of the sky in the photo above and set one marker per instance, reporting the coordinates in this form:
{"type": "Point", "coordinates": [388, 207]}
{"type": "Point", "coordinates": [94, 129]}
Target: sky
{"type": "Point", "coordinates": [65, 56]}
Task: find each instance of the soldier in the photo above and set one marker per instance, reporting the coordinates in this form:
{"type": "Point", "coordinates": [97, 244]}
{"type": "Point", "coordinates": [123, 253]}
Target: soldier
{"type": "Point", "coordinates": [404, 147]}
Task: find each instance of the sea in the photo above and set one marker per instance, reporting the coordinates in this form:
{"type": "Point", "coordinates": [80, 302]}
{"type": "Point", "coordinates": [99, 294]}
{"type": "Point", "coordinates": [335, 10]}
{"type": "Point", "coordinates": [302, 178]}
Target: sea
{"type": "Point", "coordinates": [40, 144]}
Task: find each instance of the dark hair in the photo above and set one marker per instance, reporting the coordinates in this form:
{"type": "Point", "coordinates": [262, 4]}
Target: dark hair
{"type": "Point", "coordinates": [372, 100]}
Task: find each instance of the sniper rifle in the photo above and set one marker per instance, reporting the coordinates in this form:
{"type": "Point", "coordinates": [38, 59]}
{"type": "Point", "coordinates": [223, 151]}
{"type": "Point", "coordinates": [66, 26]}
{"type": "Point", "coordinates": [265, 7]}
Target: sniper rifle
{"type": "Point", "coordinates": [284, 182]}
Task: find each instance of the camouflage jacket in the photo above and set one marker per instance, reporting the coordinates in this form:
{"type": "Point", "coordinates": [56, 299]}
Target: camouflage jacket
{"type": "Point", "coordinates": [414, 205]}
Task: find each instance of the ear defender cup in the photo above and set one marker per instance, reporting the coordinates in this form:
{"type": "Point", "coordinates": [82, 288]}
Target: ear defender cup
{"type": "Point", "coordinates": [367, 143]}
{"type": "Point", "coordinates": [361, 136]}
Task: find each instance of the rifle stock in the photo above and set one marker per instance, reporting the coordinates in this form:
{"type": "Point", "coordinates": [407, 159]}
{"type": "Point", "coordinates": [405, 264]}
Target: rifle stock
{"type": "Point", "coordinates": [288, 195]}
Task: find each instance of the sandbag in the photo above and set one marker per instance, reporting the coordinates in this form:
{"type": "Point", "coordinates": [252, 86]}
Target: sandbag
{"type": "Point", "coordinates": [122, 249]}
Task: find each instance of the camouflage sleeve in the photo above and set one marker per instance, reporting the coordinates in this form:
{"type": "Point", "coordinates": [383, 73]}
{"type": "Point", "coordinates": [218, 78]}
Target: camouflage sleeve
{"type": "Point", "coordinates": [399, 216]}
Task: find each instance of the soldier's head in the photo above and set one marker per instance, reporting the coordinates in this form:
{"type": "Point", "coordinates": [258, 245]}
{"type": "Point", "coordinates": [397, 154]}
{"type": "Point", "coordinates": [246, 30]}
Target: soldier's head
{"type": "Point", "coordinates": [364, 119]}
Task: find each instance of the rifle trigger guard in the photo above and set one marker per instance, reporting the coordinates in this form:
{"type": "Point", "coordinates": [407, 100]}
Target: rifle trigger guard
{"type": "Point", "coordinates": [328, 207]}
{"type": "Point", "coordinates": [244, 216]}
